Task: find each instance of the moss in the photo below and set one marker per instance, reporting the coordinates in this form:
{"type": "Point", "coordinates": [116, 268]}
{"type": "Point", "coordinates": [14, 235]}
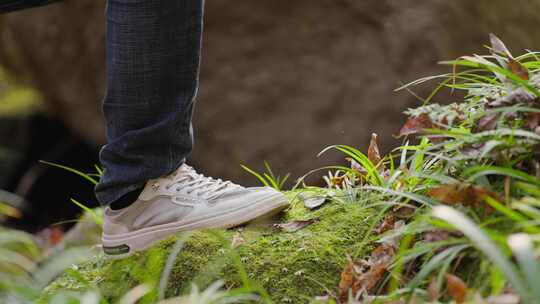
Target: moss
{"type": "Point", "coordinates": [290, 266]}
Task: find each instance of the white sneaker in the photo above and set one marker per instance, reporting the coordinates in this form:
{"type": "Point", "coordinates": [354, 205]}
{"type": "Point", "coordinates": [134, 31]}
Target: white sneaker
{"type": "Point", "coordinates": [184, 200]}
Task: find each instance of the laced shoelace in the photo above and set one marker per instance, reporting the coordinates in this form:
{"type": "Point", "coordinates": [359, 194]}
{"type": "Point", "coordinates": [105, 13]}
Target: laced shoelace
{"type": "Point", "coordinates": [187, 180]}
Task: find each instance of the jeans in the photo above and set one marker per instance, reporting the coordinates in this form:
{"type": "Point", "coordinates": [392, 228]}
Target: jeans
{"type": "Point", "coordinates": [153, 54]}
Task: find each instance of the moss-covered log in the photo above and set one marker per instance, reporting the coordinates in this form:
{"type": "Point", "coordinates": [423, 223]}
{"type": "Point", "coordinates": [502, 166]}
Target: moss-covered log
{"type": "Point", "coordinates": [290, 266]}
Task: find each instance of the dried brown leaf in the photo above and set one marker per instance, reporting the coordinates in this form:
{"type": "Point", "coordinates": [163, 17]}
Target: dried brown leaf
{"type": "Point", "coordinates": [295, 225]}
{"type": "Point", "coordinates": [356, 166]}
{"type": "Point", "coordinates": [487, 122]}
{"type": "Point", "coordinates": [403, 212]}
{"type": "Point", "coordinates": [498, 46]}
{"type": "Point", "coordinates": [378, 263]}
{"type": "Point", "coordinates": [436, 236]}
{"type": "Point", "coordinates": [452, 194]}
{"type": "Point", "coordinates": [360, 277]}
{"type": "Point", "coordinates": [346, 281]}
{"type": "Point", "coordinates": [532, 121]}
{"type": "Point", "coordinates": [518, 69]}
{"type": "Point", "coordinates": [519, 95]}
{"type": "Point", "coordinates": [386, 224]}
{"type": "Point", "coordinates": [373, 151]}
{"type": "Point", "coordinates": [415, 125]}
{"type": "Point", "coordinates": [371, 278]}
{"type": "Point", "coordinates": [456, 287]}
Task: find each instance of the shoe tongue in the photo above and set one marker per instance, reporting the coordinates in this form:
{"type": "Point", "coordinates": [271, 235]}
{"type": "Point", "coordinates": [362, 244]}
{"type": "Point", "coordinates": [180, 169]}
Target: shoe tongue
{"type": "Point", "coordinates": [183, 170]}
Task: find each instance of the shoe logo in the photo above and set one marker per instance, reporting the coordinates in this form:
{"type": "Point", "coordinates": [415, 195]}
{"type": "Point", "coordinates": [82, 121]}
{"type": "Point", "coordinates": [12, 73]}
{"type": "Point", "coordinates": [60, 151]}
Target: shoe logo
{"type": "Point", "coordinates": [186, 200]}
{"type": "Point", "coordinates": [116, 250]}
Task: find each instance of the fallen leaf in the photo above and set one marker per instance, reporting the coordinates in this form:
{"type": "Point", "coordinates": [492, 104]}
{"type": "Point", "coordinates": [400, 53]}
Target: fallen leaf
{"type": "Point", "coordinates": [498, 46]}
{"type": "Point", "coordinates": [356, 166]}
{"type": "Point", "coordinates": [519, 95]}
{"type": "Point", "coordinates": [436, 236]}
{"type": "Point", "coordinates": [363, 276]}
{"type": "Point", "coordinates": [487, 122]}
{"type": "Point", "coordinates": [373, 151]}
{"type": "Point", "coordinates": [237, 240]}
{"type": "Point", "coordinates": [433, 290]}
{"type": "Point", "coordinates": [403, 212]}
{"type": "Point", "coordinates": [312, 201]}
{"type": "Point", "coordinates": [415, 125]}
{"type": "Point", "coordinates": [518, 69]}
{"type": "Point", "coordinates": [456, 287]}
{"type": "Point", "coordinates": [452, 194]}
{"type": "Point", "coordinates": [378, 263]}
{"type": "Point", "coordinates": [386, 224]}
{"type": "Point", "coordinates": [361, 172]}
{"type": "Point", "coordinates": [296, 225]}
{"type": "Point", "coordinates": [532, 121]}
{"type": "Point", "coordinates": [346, 280]}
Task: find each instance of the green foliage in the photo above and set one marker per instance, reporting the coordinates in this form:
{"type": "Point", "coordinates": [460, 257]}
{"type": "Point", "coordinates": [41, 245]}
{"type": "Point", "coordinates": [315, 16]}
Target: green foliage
{"type": "Point", "coordinates": [462, 198]}
{"type": "Point", "coordinates": [268, 178]}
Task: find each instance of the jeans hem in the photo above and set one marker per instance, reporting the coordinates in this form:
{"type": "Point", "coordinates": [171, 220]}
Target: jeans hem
{"type": "Point", "coordinates": [107, 197]}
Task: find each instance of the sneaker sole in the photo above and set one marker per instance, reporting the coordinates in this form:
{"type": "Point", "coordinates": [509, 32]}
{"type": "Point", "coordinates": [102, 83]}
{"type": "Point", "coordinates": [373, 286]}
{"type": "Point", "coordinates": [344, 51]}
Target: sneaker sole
{"type": "Point", "coordinates": [119, 246]}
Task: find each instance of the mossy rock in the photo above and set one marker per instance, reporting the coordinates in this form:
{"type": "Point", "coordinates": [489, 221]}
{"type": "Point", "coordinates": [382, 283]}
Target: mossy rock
{"type": "Point", "coordinates": [291, 266]}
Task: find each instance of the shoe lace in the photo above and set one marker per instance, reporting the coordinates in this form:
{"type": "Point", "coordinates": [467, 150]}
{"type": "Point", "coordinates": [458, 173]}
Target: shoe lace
{"type": "Point", "coordinates": [188, 181]}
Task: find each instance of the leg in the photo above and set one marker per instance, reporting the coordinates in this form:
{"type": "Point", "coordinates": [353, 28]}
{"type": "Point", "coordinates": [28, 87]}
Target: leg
{"type": "Point", "coordinates": [153, 50]}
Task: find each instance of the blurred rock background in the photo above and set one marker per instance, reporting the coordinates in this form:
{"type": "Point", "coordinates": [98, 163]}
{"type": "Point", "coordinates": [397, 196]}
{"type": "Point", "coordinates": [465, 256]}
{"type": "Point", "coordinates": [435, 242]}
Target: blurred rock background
{"type": "Point", "coordinates": [280, 80]}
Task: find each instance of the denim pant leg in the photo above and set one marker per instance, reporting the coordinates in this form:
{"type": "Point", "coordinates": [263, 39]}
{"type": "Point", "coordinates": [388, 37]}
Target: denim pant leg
{"type": "Point", "coordinates": [153, 53]}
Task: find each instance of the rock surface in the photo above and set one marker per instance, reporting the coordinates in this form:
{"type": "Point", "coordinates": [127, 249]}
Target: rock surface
{"type": "Point", "coordinates": [280, 79]}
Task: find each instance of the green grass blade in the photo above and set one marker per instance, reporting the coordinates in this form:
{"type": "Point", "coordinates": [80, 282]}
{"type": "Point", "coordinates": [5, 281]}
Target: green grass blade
{"type": "Point", "coordinates": [522, 247]}
{"type": "Point", "coordinates": [272, 181]}
{"type": "Point", "coordinates": [434, 263]}
{"type": "Point", "coordinates": [284, 180]}
{"type": "Point", "coordinates": [257, 175]}
{"type": "Point", "coordinates": [528, 188]}
{"type": "Point", "coordinates": [77, 172]}
{"type": "Point", "coordinates": [478, 171]}
{"type": "Point", "coordinates": [98, 170]}
{"type": "Point", "coordinates": [372, 175]}
{"type": "Point", "coordinates": [96, 218]}
{"type": "Point", "coordinates": [484, 244]}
